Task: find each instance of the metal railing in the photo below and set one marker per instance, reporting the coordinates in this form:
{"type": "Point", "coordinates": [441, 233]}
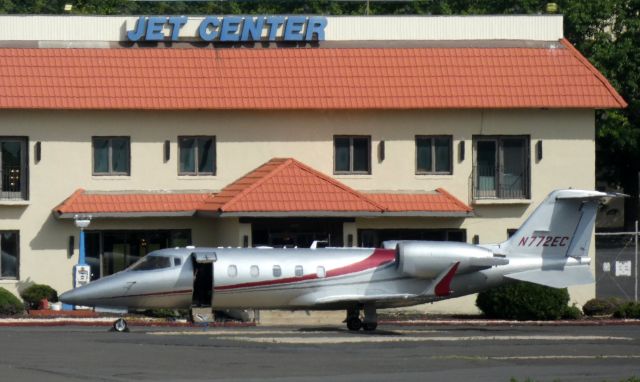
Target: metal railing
{"type": "Point", "coordinates": [12, 183]}
{"type": "Point", "coordinates": [490, 183]}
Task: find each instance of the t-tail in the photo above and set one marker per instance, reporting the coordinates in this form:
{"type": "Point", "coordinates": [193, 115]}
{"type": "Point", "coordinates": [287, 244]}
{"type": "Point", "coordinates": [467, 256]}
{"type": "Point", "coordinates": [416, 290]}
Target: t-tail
{"type": "Point", "coordinates": [558, 233]}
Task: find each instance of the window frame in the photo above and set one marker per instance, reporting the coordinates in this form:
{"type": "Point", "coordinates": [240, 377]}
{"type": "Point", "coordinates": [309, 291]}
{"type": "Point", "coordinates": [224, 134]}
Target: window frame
{"type": "Point", "coordinates": [499, 159]}
{"type": "Point", "coordinates": [110, 172]}
{"type": "Point", "coordinates": [433, 155]}
{"type": "Point", "coordinates": [17, 233]}
{"type": "Point", "coordinates": [351, 171]}
{"type": "Point", "coordinates": [24, 167]}
{"type": "Point", "coordinates": [214, 155]}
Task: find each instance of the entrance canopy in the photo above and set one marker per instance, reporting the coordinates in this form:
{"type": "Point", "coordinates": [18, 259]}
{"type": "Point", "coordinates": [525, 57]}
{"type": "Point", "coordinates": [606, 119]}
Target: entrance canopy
{"type": "Point", "coordinates": [282, 187]}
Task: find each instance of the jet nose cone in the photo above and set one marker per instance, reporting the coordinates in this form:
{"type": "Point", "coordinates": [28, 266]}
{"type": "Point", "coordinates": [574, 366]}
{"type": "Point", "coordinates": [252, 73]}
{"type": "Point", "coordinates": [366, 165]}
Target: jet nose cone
{"type": "Point", "coordinates": [71, 297]}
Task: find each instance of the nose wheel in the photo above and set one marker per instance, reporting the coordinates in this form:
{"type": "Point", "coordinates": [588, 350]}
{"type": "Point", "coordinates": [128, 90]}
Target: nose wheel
{"type": "Point", "coordinates": [120, 325]}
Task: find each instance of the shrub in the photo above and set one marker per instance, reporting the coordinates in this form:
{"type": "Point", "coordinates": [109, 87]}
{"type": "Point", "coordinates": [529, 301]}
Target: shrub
{"type": "Point", "coordinates": [523, 301]}
{"type": "Point", "coordinates": [9, 304]}
{"type": "Point", "coordinates": [37, 292]}
{"type": "Point", "coordinates": [601, 307]}
{"type": "Point", "coordinates": [572, 313]}
{"type": "Point", "coordinates": [166, 313]}
{"type": "Point", "coordinates": [628, 310]}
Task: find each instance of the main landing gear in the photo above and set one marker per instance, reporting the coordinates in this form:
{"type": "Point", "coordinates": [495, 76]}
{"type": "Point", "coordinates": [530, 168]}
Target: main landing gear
{"type": "Point", "coordinates": [369, 323]}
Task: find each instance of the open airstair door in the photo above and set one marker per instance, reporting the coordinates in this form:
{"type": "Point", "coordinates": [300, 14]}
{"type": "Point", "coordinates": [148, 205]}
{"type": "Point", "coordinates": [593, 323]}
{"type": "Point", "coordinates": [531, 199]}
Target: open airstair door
{"type": "Point", "coordinates": [203, 279]}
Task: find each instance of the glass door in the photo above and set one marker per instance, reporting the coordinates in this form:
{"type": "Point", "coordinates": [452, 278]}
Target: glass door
{"type": "Point", "coordinates": [486, 181]}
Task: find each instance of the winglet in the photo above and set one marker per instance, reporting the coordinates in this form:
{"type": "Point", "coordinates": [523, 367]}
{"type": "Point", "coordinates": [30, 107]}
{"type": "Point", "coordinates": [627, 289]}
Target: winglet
{"type": "Point", "coordinates": [442, 283]}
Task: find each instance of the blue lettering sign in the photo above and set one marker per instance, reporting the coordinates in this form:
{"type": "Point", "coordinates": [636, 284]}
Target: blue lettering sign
{"type": "Point", "coordinates": [232, 28]}
{"type": "Point", "coordinates": [209, 23]}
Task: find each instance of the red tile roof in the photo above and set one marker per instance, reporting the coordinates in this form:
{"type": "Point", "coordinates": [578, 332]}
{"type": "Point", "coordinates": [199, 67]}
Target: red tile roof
{"type": "Point", "coordinates": [280, 187]}
{"type": "Point", "coordinates": [82, 202]}
{"type": "Point", "coordinates": [286, 185]}
{"type": "Point", "coordinates": [439, 201]}
{"type": "Point", "coordinates": [301, 78]}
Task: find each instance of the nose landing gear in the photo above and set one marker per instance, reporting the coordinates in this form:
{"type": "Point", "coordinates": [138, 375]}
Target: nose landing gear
{"type": "Point", "coordinates": [120, 326]}
{"type": "Point", "coordinates": [370, 322]}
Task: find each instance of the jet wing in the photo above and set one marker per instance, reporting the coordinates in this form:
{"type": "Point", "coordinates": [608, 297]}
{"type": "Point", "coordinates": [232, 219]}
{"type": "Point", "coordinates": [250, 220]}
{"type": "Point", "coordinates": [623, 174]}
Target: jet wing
{"type": "Point", "coordinates": [368, 298]}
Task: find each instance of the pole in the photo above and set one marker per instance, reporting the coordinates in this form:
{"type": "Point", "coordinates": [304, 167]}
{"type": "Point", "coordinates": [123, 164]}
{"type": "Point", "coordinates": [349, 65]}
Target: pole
{"type": "Point", "coordinates": [81, 258]}
{"type": "Point", "coordinates": [636, 263]}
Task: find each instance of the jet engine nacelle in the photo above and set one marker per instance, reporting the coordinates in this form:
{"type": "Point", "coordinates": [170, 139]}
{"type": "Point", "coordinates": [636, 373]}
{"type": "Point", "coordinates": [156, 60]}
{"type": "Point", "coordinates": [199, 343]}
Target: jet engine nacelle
{"type": "Point", "coordinates": [428, 259]}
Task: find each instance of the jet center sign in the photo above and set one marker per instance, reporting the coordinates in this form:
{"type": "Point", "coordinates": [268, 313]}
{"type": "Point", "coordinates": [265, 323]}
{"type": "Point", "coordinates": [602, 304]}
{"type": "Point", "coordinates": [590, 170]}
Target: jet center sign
{"type": "Point", "coordinates": [229, 28]}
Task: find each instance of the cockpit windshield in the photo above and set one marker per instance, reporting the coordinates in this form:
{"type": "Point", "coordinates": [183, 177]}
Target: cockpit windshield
{"type": "Point", "coordinates": [149, 263]}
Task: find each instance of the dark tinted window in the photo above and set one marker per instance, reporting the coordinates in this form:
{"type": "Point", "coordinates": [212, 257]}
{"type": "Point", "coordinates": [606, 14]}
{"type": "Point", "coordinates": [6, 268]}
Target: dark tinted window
{"type": "Point", "coordinates": [9, 261]}
{"type": "Point", "coordinates": [111, 155]}
{"type": "Point", "coordinates": [197, 155]}
{"type": "Point", "coordinates": [149, 263]}
{"type": "Point", "coordinates": [433, 154]}
{"type": "Point", "coordinates": [352, 154]}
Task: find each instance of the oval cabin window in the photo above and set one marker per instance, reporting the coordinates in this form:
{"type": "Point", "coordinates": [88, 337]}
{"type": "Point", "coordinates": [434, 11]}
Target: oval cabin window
{"type": "Point", "coordinates": [255, 271]}
{"type": "Point", "coordinates": [232, 271]}
{"type": "Point", "coordinates": [277, 271]}
{"type": "Point", "coordinates": [320, 272]}
{"type": "Point", "coordinates": [299, 271]}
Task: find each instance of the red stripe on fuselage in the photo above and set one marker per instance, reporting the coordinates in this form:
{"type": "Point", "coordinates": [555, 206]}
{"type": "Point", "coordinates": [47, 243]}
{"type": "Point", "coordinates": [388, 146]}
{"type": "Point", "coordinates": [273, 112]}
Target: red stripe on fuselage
{"type": "Point", "coordinates": [378, 258]}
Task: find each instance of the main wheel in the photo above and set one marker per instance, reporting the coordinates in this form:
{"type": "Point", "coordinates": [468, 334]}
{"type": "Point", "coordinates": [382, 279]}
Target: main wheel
{"type": "Point", "coordinates": [370, 326]}
{"type": "Point", "coordinates": [354, 323]}
{"type": "Point", "coordinates": [120, 325]}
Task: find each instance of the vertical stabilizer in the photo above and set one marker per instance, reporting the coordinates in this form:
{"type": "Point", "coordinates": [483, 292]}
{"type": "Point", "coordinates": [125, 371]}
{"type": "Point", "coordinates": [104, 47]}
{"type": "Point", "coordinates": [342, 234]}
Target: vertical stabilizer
{"type": "Point", "coordinates": [562, 225]}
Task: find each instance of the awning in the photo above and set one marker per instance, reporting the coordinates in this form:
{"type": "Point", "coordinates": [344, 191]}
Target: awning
{"type": "Point", "coordinates": [282, 187]}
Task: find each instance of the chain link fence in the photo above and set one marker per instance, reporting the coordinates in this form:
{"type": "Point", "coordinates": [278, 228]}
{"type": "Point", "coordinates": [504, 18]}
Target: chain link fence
{"type": "Point", "coordinates": [617, 265]}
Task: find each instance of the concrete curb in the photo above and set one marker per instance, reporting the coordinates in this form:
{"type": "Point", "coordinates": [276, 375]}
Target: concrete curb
{"type": "Point", "coordinates": [106, 322]}
{"type": "Point", "coordinates": [607, 322]}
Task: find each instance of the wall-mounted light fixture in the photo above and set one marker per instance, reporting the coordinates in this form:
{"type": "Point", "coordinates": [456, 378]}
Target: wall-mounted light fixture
{"type": "Point", "coordinates": [476, 239]}
{"type": "Point", "coordinates": [350, 240]}
{"type": "Point", "coordinates": [37, 151]}
{"type": "Point", "coordinates": [538, 151]}
{"type": "Point", "coordinates": [167, 151]}
{"type": "Point", "coordinates": [245, 241]}
{"type": "Point", "coordinates": [71, 246]}
{"type": "Point", "coordinates": [461, 148]}
{"type": "Point", "coordinates": [381, 152]}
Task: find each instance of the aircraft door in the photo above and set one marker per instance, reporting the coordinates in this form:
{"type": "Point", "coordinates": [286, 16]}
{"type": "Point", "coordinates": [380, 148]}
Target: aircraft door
{"type": "Point", "coordinates": [203, 279]}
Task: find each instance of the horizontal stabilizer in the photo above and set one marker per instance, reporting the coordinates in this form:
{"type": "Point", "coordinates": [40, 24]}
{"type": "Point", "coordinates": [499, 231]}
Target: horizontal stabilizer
{"type": "Point", "coordinates": [556, 278]}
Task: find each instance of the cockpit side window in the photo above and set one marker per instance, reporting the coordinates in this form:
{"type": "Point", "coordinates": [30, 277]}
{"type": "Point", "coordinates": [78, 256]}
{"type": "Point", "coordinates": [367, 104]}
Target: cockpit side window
{"type": "Point", "coordinates": [177, 261]}
{"type": "Point", "coordinates": [149, 263]}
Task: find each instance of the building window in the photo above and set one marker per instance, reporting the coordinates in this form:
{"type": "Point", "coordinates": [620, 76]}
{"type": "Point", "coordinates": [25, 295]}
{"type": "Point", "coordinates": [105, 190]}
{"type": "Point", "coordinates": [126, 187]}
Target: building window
{"type": "Point", "coordinates": [501, 167]}
{"type": "Point", "coordinates": [197, 155]}
{"type": "Point", "coordinates": [433, 154]}
{"type": "Point", "coordinates": [13, 168]}
{"type": "Point", "coordinates": [352, 154]}
{"type": "Point", "coordinates": [111, 156]}
{"type": "Point", "coordinates": [10, 246]}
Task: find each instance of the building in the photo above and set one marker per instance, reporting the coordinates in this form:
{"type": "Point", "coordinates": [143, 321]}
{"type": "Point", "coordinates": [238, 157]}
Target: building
{"type": "Point", "coordinates": [231, 131]}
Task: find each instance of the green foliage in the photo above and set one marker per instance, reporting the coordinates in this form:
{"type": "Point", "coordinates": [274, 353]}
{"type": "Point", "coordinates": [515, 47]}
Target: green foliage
{"type": "Point", "coordinates": [601, 307]}
{"type": "Point", "coordinates": [166, 313]}
{"type": "Point", "coordinates": [523, 301]}
{"type": "Point", "coordinates": [37, 292]}
{"type": "Point", "coordinates": [628, 310]}
{"type": "Point", "coordinates": [9, 304]}
{"type": "Point", "coordinates": [572, 313]}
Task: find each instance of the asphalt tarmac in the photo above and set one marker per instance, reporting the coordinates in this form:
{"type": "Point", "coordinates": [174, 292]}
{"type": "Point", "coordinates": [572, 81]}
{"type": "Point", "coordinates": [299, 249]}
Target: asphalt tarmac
{"type": "Point", "coordinates": [393, 353]}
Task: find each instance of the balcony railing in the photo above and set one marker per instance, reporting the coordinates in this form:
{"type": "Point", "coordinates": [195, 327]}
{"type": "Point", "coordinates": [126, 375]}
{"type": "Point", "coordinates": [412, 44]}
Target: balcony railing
{"type": "Point", "coordinates": [490, 183]}
{"type": "Point", "coordinates": [12, 183]}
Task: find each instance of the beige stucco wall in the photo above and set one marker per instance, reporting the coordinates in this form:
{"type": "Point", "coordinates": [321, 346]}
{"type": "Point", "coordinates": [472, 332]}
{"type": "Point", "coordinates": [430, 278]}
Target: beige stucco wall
{"type": "Point", "coordinates": [247, 139]}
